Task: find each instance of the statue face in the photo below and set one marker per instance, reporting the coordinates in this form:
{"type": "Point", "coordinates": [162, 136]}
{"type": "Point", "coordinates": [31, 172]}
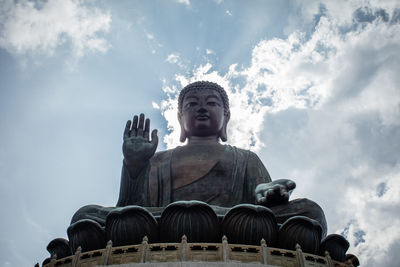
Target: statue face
{"type": "Point", "coordinates": [202, 113]}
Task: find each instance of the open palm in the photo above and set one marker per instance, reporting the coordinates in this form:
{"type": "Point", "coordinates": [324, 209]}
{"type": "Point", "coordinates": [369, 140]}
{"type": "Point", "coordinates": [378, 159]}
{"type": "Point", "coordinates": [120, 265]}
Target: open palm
{"type": "Point", "coordinates": [137, 146]}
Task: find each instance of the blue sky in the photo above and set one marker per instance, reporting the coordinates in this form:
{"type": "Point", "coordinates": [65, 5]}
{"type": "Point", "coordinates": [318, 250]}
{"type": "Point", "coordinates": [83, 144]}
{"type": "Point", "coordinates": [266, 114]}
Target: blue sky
{"type": "Point", "coordinates": [314, 90]}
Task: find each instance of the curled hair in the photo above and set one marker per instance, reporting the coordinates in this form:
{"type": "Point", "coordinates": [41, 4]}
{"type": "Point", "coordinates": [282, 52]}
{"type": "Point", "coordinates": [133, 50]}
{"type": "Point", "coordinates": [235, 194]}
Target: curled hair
{"type": "Point", "coordinates": [201, 85]}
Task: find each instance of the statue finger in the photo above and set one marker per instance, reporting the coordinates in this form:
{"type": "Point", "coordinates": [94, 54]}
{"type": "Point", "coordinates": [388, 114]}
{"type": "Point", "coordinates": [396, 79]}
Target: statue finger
{"type": "Point", "coordinates": [264, 193]}
{"type": "Point", "coordinates": [260, 198]}
{"type": "Point", "coordinates": [146, 129]}
{"type": "Point", "coordinates": [277, 188]}
{"type": "Point", "coordinates": [269, 193]}
{"type": "Point", "coordinates": [140, 126]}
{"type": "Point", "coordinates": [282, 191]}
{"type": "Point", "coordinates": [134, 125]}
{"type": "Point", "coordinates": [127, 131]}
{"type": "Point", "coordinates": [285, 196]}
{"type": "Point", "coordinates": [290, 185]}
{"type": "Point", "coordinates": [154, 137]}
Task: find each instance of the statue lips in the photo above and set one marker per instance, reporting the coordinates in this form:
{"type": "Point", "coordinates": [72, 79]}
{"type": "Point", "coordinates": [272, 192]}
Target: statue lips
{"type": "Point", "coordinates": [202, 117]}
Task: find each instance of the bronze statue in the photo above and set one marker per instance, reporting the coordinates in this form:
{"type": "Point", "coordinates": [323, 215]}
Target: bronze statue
{"type": "Point", "coordinates": [203, 169]}
{"type": "Point", "coordinates": [202, 190]}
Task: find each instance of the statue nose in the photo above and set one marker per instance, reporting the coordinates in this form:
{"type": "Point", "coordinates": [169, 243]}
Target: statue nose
{"type": "Point", "coordinates": [202, 110]}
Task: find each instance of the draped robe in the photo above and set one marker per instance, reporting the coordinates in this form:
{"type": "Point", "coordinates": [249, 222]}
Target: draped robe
{"type": "Point", "coordinates": [230, 181]}
{"type": "Point", "coordinates": [238, 170]}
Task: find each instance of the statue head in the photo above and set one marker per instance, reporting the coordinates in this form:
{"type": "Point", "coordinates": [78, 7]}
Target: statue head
{"type": "Point", "coordinates": [203, 110]}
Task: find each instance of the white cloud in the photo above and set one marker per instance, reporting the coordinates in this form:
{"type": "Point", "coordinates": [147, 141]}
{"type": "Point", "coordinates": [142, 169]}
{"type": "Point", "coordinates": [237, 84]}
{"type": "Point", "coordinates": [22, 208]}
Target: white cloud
{"type": "Point", "coordinates": [371, 209]}
{"type": "Point", "coordinates": [155, 105]}
{"type": "Point", "coordinates": [228, 13]}
{"type": "Point", "coordinates": [185, 2]}
{"type": "Point", "coordinates": [325, 105]}
{"type": "Point", "coordinates": [210, 52]}
{"type": "Point", "coordinates": [28, 27]}
{"type": "Point", "coordinates": [173, 58]}
{"type": "Point", "coordinates": [152, 41]}
{"type": "Point", "coordinates": [149, 36]}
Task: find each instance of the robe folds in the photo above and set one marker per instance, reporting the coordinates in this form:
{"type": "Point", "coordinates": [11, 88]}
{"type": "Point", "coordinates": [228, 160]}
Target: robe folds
{"type": "Point", "coordinates": [241, 170]}
{"type": "Point", "coordinates": [231, 181]}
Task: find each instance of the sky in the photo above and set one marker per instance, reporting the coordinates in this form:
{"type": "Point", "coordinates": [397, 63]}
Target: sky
{"type": "Point", "coordinates": [314, 88]}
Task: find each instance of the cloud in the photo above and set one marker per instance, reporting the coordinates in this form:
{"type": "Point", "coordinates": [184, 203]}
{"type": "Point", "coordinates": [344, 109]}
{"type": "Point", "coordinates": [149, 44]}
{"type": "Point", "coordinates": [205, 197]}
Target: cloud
{"type": "Point", "coordinates": [185, 2]}
{"type": "Point", "coordinates": [173, 58]}
{"type": "Point", "coordinates": [370, 209]}
{"type": "Point", "coordinates": [149, 36]}
{"type": "Point", "coordinates": [155, 105]}
{"type": "Point", "coordinates": [323, 106]}
{"type": "Point", "coordinates": [210, 52]}
{"type": "Point", "coordinates": [40, 27]}
{"type": "Point", "coordinates": [228, 13]}
{"type": "Point", "coordinates": [152, 41]}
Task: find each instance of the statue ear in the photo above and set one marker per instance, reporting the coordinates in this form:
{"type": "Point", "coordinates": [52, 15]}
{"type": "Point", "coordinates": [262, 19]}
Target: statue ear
{"type": "Point", "coordinates": [183, 136]}
{"type": "Point", "coordinates": [222, 133]}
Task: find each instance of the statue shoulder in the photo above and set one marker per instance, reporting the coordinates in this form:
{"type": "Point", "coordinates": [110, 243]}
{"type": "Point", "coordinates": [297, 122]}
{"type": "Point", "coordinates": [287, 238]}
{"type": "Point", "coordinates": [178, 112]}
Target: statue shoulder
{"type": "Point", "coordinates": [250, 157]}
{"type": "Point", "coordinates": [251, 163]}
{"type": "Point", "coordinates": [245, 153]}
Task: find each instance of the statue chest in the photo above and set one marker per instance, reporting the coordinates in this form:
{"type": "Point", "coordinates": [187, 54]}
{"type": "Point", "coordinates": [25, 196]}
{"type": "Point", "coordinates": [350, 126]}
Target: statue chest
{"type": "Point", "coordinates": [190, 165]}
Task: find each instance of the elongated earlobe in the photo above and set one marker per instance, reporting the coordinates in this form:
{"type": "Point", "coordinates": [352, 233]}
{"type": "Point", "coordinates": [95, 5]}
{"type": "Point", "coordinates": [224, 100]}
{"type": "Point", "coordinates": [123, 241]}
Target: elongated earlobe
{"type": "Point", "coordinates": [183, 136]}
{"type": "Point", "coordinates": [222, 134]}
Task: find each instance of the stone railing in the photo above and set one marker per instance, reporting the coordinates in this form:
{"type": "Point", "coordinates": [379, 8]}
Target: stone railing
{"type": "Point", "coordinates": [189, 252]}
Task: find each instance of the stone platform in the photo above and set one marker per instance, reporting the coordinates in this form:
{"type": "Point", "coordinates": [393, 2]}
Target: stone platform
{"type": "Point", "coordinates": [194, 255]}
{"type": "Point", "coordinates": [193, 264]}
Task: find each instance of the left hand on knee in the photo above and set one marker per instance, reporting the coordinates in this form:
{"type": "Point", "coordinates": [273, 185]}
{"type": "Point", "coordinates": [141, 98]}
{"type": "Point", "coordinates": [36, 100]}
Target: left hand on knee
{"type": "Point", "coordinates": [274, 193]}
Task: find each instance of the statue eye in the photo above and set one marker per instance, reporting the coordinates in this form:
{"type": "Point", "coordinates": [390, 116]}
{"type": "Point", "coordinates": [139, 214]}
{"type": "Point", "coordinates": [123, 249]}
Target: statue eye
{"type": "Point", "coordinates": [191, 104]}
{"type": "Point", "coordinates": [212, 103]}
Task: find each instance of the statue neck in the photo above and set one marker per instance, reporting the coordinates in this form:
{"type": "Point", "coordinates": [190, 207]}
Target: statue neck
{"type": "Point", "coordinates": [203, 140]}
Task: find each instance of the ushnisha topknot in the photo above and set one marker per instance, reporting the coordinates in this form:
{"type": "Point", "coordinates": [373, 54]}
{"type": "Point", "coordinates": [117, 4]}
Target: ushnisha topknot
{"type": "Point", "coordinates": [200, 85]}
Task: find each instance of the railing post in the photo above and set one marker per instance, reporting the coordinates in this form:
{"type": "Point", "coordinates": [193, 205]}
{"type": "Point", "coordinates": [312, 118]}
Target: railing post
{"type": "Point", "coordinates": [184, 247]}
{"type": "Point", "coordinates": [143, 257]}
{"type": "Point", "coordinates": [77, 254]}
{"type": "Point", "coordinates": [107, 253]}
{"type": "Point", "coordinates": [225, 249]}
{"type": "Point", "coordinates": [53, 260]}
{"type": "Point", "coordinates": [264, 251]}
{"type": "Point", "coordinates": [300, 256]}
{"type": "Point", "coordinates": [328, 259]}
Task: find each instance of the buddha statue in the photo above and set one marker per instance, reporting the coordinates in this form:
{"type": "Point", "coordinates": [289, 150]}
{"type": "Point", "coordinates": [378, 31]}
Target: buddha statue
{"type": "Point", "coordinates": [204, 169]}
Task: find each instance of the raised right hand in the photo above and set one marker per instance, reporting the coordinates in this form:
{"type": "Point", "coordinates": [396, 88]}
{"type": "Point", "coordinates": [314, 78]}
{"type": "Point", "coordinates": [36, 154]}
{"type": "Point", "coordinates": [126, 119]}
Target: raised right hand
{"type": "Point", "coordinates": [137, 147]}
